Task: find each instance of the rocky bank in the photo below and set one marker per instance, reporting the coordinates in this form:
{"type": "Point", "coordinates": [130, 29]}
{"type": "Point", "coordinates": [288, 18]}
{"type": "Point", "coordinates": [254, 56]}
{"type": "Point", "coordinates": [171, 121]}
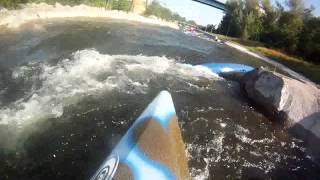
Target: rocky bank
{"type": "Point", "coordinates": [294, 102]}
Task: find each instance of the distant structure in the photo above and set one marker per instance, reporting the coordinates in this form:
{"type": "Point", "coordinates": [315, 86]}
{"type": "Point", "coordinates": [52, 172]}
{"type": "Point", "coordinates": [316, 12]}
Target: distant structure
{"type": "Point", "coordinates": [213, 3]}
{"type": "Point", "coordinates": [138, 6]}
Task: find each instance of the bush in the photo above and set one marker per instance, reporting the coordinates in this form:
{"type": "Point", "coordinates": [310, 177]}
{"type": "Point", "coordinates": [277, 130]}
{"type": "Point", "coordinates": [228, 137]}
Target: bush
{"type": "Point", "coordinates": [11, 4]}
{"type": "Point", "coordinates": [309, 42]}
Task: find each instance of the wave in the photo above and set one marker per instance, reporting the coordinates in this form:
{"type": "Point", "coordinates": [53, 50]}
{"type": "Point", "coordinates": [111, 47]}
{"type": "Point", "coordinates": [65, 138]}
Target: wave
{"type": "Point", "coordinates": [89, 72]}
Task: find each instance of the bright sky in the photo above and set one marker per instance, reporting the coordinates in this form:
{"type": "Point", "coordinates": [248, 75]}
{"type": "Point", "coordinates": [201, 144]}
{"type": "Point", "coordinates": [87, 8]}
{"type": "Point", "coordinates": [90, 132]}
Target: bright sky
{"type": "Point", "coordinates": [192, 10]}
{"type": "Point", "coordinates": [307, 3]}
{"type": "Point", "coordinates": [204, 14]}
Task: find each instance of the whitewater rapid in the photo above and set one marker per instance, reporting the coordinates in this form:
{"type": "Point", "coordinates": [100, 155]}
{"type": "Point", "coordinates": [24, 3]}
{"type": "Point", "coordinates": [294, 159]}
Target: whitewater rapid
{"type": "Point", "coordinates": [85, 73]}
{"type": "Point", "coordinates": [81, 104]}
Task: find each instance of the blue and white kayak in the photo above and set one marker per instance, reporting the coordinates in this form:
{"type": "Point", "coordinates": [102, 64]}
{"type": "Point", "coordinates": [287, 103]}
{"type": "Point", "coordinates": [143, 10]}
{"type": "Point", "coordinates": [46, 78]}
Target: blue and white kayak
{"type": "Point", "coordinates": [152, 148]}
{"type": "Point", "coordinates": [220, 68]}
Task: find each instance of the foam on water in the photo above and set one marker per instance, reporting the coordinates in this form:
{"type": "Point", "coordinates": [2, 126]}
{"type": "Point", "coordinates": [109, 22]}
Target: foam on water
{"type": "Point", "coordinates": [212, 155]}
{"type": "Point", "coordinates": [233, 145]}
{"type": "Point", "coordinates": [88, 72]}
{"type": "Point", "coordinates": [217, 138]}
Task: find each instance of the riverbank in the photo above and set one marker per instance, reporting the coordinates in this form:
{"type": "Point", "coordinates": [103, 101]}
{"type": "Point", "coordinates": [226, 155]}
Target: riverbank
{"type": "Point", "coordinates": [31, 12]}
{"type": "Point", "coordinates": [100, 74]}
{"type": "Point", "coordinates": [295, 67]}
{"type": "Point", "coordinates": [311, 71]}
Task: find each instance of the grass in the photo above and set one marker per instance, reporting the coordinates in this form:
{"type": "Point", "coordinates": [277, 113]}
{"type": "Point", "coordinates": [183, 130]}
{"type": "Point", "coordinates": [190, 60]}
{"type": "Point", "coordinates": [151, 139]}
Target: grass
{"type": "Point", "coordinates": [239, 41]}
{"type": "Point", "coordinates": [309, 70]}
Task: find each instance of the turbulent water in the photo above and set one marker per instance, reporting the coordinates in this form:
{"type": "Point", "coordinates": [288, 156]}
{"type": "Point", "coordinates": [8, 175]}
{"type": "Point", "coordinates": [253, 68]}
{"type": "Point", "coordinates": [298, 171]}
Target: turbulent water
{"type": "Point", "coordinates": [69, 89]}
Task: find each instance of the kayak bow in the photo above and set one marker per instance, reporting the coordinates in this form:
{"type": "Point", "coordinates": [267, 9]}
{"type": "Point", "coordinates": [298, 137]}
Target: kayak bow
{"type": "Point", "coordinates": [152, 148]}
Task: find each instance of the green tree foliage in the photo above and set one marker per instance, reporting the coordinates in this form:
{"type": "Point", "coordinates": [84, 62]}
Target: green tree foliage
{"type": "Point", "coordinates": [232, 22]}
{"type": "Point", "coordinates": [291, 29]}
{"type": "Point", "coordinates": [296, 6]}
{"type": "Point", "coordinates": [309, 42]}
{"type": "Point", "coordinates": [192, 22]}
{"type": "Point", "coordinates": [11, 4]}
{"type": "Point", "coordinates": [252, 25]}
{"type": "Point", "coordinates": [286, 27]}
{"type": "Point", "coordinates": [123, 5]}
{"type": "Point", "coordinates": [97, 3]}
{"type": "Point", "coordinates": [209, 28]}
{"type": "Point", "coordinates": [156, 9]}
{"type": "Point", "coordinates": [242, 19]}
{"type": "Point", "coordinates": [269, 22]}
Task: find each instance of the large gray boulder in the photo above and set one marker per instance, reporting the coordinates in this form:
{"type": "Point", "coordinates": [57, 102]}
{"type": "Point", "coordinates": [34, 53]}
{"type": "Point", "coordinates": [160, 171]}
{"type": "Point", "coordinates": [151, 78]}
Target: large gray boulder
{"type": "Point", "coordinates": [294, 102]}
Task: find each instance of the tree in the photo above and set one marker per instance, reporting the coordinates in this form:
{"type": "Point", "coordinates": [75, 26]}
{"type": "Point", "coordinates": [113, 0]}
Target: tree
{"type": "Point", "coordinates": [232, 22]}
{"type": "Point", "coordinates": [156, 9]}
{"type": "Point", "coordinates": [242, 19]}
{"type": "Point", "coordinates": [296, 6]}
{"type": "Point", "coordinates": [307, 13]}
{"type": "Point", "coordinates": [210, 28]}
{"type": "Point", "coordinates": [192, 22]}
{"type": "Point", "coordinates": [293, 29]}
{"type": "Point", "coordinates": [124, 5]}
{"type": "Point", "coordinates": [290, 25]}
{"type": "Point", "coordinates": [11, 3]}
{"type": "Point", "coordinates": [251, 20]}
{"type": "Point", "coordinates": [309, 40]}
{"type": "Point", "coordinates": [282, 28]}
{"type": "Point", "coordinates": [121, 5]}
{"type": "Point", "coordinates": [270, 22]}
{"type": "Point", "coordinates": [253, 27]}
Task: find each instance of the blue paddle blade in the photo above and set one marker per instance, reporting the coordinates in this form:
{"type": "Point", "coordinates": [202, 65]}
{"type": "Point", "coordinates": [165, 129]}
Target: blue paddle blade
{"type": "Point", "coordinates": [152, 148]}
{"type": "Point", "coordinates": [219, 68]}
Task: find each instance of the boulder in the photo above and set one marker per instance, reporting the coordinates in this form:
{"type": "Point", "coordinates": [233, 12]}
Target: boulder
{"type": "Point", "coordinates": [294, 102]}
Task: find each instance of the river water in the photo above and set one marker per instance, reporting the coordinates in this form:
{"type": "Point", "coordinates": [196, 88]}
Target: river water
{"type": "Point", "coordinates": [69, 89]}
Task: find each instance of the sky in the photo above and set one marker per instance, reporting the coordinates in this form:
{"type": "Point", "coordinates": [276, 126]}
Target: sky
{"type": "Point", "coordinates": [203, 14]}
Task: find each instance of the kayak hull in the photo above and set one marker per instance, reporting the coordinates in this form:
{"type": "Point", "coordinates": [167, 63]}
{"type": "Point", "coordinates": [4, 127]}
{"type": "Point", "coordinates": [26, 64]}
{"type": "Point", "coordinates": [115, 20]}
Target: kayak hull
{"type": "Point", "coordinates": [221, 68]}
{"type": "Point", "coordinates": [152, 148]}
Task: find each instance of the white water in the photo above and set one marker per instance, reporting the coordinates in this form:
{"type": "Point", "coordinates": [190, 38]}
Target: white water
{"type": "Point", "coordinates": [89, 73]}
{"type": "Point", "coordinates": [213, 152]}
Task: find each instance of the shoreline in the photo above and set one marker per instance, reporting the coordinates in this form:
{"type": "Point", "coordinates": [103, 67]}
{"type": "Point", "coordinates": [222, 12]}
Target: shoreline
{"type": "Point", "coordinates": [41, 11]}
{"type": "Point", "coordinates": [284, 68]}
{"type": "Point", "coordinates": [15, 18]}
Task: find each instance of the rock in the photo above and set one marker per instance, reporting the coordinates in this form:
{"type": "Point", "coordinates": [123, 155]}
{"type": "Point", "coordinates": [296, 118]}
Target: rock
{"type": "Point", "coordinates": [264, 89]}
{"type": "Point", "coordinates": [233, 76]}
{"type": "Point", "coordinates": [294, 102]}
{"type": "Point", "coordinates": [281, 96]}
